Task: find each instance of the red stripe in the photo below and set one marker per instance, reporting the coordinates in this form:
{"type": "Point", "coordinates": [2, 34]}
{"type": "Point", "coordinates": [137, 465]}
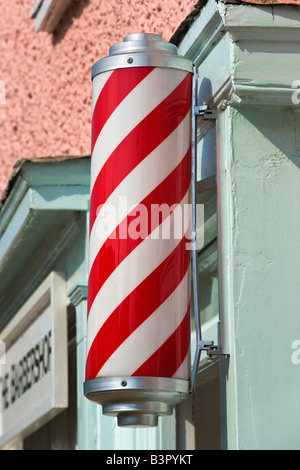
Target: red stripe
{"type": "Point", "coordinates": [171, 191]}
{"type": "Point", "coordinates": [137, 307]}
{"type": "Point", "coordinates": [118, 86]}
{"type": "Point", "coordinates": [139, 143]}
{"type": "Point", "coordinates": [166, 360]}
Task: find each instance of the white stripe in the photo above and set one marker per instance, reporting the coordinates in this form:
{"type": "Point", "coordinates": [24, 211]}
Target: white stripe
{"type": "Point", "coordinates": [141, 262]}
{"type": "Point", "coordinates": [98, 85]}
{"type": "Point", "coordinates": [150, 335]}
{"type": "Point", "coordinates": [140, 182]}
{"type": "Point", "coordinates": [184, 370]}
{"type": "Point", "coordinates": [145, 97]}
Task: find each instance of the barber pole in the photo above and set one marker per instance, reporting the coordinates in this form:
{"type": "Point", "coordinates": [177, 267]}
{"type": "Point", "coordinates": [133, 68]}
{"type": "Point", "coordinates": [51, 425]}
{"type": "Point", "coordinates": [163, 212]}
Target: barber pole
{"type": "Point", "coordinates": [138, 321]}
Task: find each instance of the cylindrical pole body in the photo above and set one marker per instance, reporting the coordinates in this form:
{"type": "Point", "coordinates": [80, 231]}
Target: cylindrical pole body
{"type": "Point", "coordinates": [138, 322]}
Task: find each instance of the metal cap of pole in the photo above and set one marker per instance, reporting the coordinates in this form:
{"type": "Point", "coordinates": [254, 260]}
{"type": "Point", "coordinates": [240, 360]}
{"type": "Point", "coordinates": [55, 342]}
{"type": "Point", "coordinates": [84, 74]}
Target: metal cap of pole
{"type": "Point", "coordinates": [142, 50]}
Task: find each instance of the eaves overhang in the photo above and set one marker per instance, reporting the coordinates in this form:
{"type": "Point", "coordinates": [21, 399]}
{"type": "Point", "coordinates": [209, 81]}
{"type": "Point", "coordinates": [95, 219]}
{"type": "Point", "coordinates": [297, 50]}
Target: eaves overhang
{"type": "Point", "coordinates": [185, 25]}
{"type": "Point", "coordinates": [42, 210]}
{"type": "Point", "coordinates": [244, 53]}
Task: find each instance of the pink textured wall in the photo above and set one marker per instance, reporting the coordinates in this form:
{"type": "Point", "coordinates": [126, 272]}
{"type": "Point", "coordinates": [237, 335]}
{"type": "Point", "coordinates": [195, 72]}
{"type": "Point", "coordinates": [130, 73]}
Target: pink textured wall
{"type": "Point", "coordinates": [47, 77]}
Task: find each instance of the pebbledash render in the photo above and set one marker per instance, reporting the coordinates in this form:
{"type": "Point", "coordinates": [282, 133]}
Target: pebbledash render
{"type": "Point", "coordinates": [46, 76]}
{"type": "Point", "coordinates": [247, 179]}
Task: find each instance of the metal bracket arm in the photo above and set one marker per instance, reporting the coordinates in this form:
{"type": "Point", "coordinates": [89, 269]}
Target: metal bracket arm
{"type": "Point", "coordinates": [205, 113]}
{"type": "Point", "coordinates": [210, 348]}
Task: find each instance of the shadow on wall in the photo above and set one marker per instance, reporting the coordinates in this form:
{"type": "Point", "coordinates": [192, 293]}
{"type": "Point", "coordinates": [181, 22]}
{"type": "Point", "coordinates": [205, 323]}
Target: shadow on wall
{"type": "Point", "coordinates": [73, 11]}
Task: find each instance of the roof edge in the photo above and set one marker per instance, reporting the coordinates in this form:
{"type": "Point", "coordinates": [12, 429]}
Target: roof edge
{"type": "Point", "coordinates": [189, 20]}
{"type": "Point", "coordinates": [17, 170]}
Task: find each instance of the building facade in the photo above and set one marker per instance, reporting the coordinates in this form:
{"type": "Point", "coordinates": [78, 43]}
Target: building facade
{"type": "Point", "coordinates": [245, 394]}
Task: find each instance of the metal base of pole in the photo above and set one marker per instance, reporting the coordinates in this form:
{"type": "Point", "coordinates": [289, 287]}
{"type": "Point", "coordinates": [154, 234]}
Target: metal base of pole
{"type": "Point", "coordinates": [137, 401]}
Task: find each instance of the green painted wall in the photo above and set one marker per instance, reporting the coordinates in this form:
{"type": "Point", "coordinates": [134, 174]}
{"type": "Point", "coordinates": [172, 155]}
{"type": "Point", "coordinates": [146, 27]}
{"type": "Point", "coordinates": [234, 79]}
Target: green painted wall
{"type": "Point", "coordinates": [262, 169]}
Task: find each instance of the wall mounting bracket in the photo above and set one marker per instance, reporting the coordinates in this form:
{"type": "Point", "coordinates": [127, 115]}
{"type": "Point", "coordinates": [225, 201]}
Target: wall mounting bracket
{"type": "Point", "coordinates": [204, 112]}
{"type": "Point", "coordinates": [210, 348]}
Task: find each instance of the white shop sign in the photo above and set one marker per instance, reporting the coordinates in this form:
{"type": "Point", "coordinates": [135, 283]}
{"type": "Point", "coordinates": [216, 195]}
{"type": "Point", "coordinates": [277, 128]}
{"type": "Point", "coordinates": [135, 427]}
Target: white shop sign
{"type": "Point", "coordinates": [34, 376]}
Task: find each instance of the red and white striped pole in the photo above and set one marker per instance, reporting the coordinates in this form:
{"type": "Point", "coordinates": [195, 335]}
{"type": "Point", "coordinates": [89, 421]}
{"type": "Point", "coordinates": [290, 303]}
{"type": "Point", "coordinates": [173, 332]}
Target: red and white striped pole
{"type": "Point", "coordinates": [138, 323]}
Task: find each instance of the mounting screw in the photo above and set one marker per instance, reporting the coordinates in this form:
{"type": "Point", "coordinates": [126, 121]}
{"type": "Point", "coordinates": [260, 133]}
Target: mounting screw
{"type": "Point", "coordinates": [123, 383]}
{"type": "Point", "coordinates": [130, 60]}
